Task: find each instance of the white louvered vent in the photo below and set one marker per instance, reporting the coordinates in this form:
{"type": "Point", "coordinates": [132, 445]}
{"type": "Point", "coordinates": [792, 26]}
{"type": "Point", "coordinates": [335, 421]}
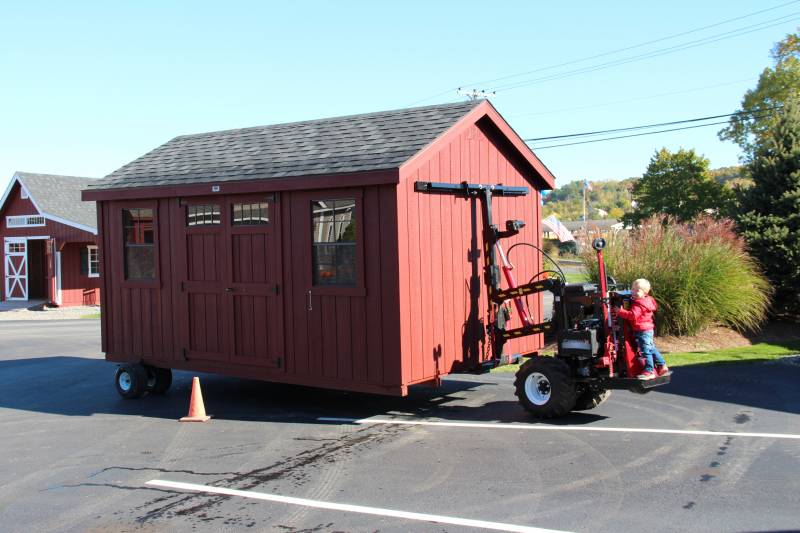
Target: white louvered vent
{"type": "Point", "coordinates": [25, 221]}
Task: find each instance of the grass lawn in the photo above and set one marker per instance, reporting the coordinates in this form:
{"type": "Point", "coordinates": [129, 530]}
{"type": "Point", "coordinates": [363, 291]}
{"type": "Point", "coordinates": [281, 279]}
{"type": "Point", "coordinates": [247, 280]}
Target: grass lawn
{"type": "Point", "coordinates": [759, 352]}
{"type": "Point", "coordinates": [91, 315]}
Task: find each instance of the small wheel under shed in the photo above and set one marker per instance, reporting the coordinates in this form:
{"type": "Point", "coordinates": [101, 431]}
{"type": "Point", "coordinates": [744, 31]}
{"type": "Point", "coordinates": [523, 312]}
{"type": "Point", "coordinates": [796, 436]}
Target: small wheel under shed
{"type": "Point", "coordinates": [589, 398]}
{"type": "Point", "coordinates": [159, 380]}
{"type": "Point", "coordinates": [131, 381]}
{"type": "Point", "coordinates": [544, 387]}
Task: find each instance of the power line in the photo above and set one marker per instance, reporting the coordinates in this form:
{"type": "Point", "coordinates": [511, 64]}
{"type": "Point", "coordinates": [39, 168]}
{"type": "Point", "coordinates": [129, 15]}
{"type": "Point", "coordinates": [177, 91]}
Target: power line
{"type": "Point", "coordinates": [628, 136]}
{"type": "Point", "coordinates": [653, 53]}
{"type": "Point", "coordinates": [645, 126]}
{"type": "Point", "coordinates": [566, 63]}
{"type": "Point", "coordinates": [632, 47]}
{"type": "Point", "coordinates": [629, 100]}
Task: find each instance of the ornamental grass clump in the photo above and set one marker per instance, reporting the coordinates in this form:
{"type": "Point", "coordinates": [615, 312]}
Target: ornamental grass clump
{"type": "Point", "coordinates": [700, 274]}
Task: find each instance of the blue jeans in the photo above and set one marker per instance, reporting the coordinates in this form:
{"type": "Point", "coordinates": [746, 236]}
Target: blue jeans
{"type": "Point", "coordinates": [648, 349]}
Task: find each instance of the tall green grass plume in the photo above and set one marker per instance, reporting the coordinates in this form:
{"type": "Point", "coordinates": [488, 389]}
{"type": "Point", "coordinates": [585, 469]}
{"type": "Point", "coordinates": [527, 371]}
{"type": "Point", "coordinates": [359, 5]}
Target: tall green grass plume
{"type": "Point", "coordinates": [700, 273]}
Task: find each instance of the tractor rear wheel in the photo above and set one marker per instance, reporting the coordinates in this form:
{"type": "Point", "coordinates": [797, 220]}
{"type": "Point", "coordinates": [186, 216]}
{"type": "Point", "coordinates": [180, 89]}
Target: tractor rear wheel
{"type": "Point", "coordinates": [545, 388]}
{"type": "Point", "coordinates": [590, 398]}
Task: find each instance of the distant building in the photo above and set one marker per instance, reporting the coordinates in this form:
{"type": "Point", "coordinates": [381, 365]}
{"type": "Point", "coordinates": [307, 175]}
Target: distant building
{"type": "Point", "coordinates": [49, 241]}
{"type": "Point", "coordinates": [602, 227]}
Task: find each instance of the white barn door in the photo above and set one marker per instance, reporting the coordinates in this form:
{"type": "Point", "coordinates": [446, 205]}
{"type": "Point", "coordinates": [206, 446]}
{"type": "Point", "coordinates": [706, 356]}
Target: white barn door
{"type": "Point", "coordinates": [16, 268]}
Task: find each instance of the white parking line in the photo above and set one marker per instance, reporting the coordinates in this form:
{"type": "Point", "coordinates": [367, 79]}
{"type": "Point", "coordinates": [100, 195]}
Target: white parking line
{"type": "Point", "coordinates": [543, 427]}
{"type": "Point", "coordinates": [498, 526]}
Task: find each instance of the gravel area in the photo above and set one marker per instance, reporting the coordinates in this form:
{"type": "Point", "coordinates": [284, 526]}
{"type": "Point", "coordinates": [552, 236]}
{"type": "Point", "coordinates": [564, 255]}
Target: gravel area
{"type": "Point", "coordinates": [41, 312]}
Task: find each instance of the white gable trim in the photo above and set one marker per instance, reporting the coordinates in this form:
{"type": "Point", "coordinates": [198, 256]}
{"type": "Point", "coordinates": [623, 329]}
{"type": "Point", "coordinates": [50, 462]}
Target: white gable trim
{"type": "Point", "coordinates": [48, 216]}
{"type": "Point", "coordinates": [8, 191]}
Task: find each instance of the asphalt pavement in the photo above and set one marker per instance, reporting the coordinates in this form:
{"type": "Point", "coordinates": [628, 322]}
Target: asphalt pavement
{"type": "Point", "coordinates": [77, 457]}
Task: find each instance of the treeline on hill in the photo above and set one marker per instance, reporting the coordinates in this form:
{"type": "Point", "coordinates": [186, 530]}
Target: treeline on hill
{"type": "Point", "coordinates": [612, 198]}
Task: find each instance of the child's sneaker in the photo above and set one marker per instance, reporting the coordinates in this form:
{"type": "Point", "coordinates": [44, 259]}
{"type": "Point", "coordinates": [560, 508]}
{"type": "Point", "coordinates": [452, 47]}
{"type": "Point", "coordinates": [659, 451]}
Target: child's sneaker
{"type": "Point", "coordinates": [662, 370]}
{"type": "Point", "coordinates": [647, 375]}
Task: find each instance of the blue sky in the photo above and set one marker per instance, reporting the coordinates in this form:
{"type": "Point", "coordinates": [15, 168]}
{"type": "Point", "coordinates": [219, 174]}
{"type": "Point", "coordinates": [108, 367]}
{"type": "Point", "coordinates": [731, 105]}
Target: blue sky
{"type": "Point", "coordinates": [89, 86]}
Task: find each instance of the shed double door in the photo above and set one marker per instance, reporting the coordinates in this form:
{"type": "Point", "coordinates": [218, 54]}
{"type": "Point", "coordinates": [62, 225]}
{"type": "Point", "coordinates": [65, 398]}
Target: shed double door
{"type": "Point", "coordinates": [229, 277]}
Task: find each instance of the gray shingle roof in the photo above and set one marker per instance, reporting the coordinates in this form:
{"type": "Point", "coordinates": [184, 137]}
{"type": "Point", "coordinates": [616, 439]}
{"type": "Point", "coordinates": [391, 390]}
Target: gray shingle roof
{"type": "Point", "coordinates": [60, 196]}
{"type": "Point", "coordinates": [356, 143]}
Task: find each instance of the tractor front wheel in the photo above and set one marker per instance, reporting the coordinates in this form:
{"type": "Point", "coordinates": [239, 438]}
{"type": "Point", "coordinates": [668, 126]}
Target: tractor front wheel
{"type": "Point", "coordinates": [545, 388]}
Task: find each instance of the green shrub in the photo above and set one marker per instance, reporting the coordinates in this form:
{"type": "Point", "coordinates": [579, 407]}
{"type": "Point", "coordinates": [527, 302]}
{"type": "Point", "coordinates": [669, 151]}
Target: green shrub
{"type": "Point", "coordinates": [700, 273]}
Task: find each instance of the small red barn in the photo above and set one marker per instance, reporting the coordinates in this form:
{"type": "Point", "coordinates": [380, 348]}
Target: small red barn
{"type": "Point", "coordinates": [49, 240]}
{"type": "Point", "coordinates": [301, 252]}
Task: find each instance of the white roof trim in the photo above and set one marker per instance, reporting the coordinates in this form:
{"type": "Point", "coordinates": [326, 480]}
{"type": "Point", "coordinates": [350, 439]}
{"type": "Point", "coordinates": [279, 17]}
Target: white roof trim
{"type": "Point", "coordinates": [69, 223]}
{"type": "Point", "coordinates": [54, 218]}
{"type": "Point", "coordinates": [11, 183]}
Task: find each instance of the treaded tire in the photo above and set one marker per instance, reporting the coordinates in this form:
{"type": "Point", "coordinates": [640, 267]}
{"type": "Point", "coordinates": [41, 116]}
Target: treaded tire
{"type": "Point", "coordinates": [131, 381]}
{"type": "Point", "coordinates": [159, 380]}
{"type": "Point", "coordinates": [545, 388]}
{"type": "Point", "coordinates": [590, 398]}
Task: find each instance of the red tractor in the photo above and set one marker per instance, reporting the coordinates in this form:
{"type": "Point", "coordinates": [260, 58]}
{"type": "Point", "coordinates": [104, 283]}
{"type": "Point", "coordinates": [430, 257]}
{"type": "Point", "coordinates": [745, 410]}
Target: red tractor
{"type": "Point", "coordinates": [595, 351]}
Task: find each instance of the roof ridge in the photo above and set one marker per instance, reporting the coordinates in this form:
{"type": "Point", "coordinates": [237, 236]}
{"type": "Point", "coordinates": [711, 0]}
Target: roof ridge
{"type": "Point", "coordinates": [465, 104]}
{"type": "Point", "coordinates": [22, 173]}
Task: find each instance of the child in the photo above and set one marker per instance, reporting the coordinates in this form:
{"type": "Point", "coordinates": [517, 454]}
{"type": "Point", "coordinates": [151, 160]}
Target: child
{"type": "Point", "coordinates": [640, 316]}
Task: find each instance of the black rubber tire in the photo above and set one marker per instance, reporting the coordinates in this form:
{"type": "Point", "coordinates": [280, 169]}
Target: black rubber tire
{"type": "Point", "coordinates": [590, 398]}
{"type": "Point", "coordinates": [559, 397]}
{"type": "Point", "coordinates": [159, 380]}
{"type": "Point", "coordinates": [131, 381]}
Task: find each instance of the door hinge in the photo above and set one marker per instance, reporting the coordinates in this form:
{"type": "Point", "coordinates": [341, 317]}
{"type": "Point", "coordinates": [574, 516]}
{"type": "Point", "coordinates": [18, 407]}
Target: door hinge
{"type": "Point", "coordinates": [277, 289]}
{"type": "Point", "coordinates": [279, 362]}
{"type": "Point", "coordinates": [185, 354]}
{"type": "Point", "coordinates": [183, 286]}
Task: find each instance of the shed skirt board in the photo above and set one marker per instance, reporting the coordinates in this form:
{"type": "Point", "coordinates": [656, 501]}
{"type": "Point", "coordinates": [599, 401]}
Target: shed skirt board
{"type": "Point", "coordinates": [229, 279]}
{"type": "Point", "coordinates": [16, 268]}
{"type": "Point", "coordinates": [260, 373]}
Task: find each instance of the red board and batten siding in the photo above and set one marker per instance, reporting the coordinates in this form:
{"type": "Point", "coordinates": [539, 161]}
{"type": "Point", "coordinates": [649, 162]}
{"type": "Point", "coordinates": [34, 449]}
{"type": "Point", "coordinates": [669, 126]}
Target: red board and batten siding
{"type": "Point", "coordinates": [346, 341]}
{"type": "Point", "coordinates": [76, 288]}
{"type": "Point", "coordinates": [443, 296]}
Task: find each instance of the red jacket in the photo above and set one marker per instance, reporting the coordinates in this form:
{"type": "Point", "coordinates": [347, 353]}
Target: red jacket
{"type": "Point", "coordinates": [640, 313]}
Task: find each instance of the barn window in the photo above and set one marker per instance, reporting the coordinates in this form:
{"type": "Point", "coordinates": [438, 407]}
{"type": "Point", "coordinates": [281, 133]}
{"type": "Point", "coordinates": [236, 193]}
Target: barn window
{"type": "Point", "coordinates": [333, 225]}
{"type": "Point", "coordinates": [250, 214]}
{"type": "Point", "coordinates": [138, 232]}
{"type": "Point", "coordinates": [203, 215]}
{"type": "Point", "coordinates": [90, 261]}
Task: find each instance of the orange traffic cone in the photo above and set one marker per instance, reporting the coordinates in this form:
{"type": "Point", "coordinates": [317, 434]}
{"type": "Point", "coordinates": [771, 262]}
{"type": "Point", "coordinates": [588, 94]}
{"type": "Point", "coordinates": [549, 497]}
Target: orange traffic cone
{"type": "Point", "coordinates": [197, 411]}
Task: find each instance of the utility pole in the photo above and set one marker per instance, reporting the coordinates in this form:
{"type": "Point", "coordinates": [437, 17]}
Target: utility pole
{"type": "Point", "coordinates": [474, 94]}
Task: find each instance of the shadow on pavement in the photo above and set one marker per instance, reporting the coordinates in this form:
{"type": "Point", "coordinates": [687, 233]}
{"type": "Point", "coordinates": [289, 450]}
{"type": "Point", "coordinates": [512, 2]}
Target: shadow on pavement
{"type": "Point", "coordinates": [77, 386]}
{"type": "Point", "coordinates": [773, 385]}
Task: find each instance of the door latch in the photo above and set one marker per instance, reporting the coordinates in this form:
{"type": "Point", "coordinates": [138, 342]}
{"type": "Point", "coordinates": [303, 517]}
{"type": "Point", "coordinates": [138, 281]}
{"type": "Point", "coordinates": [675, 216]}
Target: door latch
{"type": "Point", "coordinates": [309, 301]}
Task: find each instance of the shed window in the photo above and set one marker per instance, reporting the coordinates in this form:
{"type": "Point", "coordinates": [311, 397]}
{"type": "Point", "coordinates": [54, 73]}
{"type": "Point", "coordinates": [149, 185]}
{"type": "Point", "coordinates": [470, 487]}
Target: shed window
{"type": "Point", "coordinates": [15, 247]}
{"type": "Point", "coordinates": [250, 214]}
{"type": "Point", "coordinates": [138, 231]}
{"type": "Point", "coordinates": [333, 226]}
{"type": "Point", "coordinates": [90, 261]}
{"type": "Point", "coordinates": [203, 215]}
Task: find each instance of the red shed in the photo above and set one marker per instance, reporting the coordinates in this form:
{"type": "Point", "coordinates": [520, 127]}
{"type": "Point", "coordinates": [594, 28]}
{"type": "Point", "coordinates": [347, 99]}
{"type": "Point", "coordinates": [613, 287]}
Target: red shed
{"type": "Point", "coordinates": [301, 252]}
{"type": "Point", "coordinates": [49, 240]}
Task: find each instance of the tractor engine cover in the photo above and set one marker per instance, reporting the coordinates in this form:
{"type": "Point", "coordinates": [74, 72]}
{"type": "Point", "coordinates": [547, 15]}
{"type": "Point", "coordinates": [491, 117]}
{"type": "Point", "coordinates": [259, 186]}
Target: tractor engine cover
{"type": "Point", "coordinates": [582, 343]}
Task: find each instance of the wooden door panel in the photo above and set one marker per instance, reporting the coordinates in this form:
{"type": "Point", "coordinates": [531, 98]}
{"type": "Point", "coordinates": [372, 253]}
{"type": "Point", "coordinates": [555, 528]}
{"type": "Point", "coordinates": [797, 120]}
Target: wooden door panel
{"type": "Point", "coordinates": [255, 278]}
{"type": "Point", "coordinates": [204, 283]}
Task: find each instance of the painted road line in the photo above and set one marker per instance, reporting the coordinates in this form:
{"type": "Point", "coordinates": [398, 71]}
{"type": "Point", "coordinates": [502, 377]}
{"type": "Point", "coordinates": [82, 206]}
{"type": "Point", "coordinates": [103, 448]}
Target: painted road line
{"type": "Point", "coordinates": [498, 425]}
{"type": "Point", "coordinates": [439, 519]}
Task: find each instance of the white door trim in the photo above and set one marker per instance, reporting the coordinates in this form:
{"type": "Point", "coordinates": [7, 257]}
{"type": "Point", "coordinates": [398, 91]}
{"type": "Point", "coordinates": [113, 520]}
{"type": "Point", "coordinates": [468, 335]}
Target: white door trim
{"type": "Point", "coordinates": [13, 278]}
{"type": "Point", "coordinates": [58, 277]}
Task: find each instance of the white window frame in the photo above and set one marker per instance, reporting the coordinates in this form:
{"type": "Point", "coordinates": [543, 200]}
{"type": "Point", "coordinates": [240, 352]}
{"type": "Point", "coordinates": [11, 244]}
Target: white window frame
{"type": "Point", "coordinates": [25, 221]}
{"type": "Point", "coordinates": [92, 249]}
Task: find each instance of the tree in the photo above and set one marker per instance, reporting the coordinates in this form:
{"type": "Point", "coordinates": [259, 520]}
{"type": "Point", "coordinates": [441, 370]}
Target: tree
{"type": "Point", "coordinates": [776, 86]}
{"type": "Point", "coordinates": [678, 185]}
{"type": "Point", "coordinates": [769, 210]}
